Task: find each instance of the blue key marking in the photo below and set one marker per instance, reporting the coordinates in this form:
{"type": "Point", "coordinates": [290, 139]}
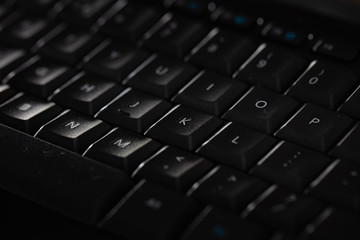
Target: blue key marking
{"type": "Point", "coordinates": [290, 35]}
{"type": "Point", "coordinates": [238, 19]}
{"type": "Point", "coordinates": [193, 5]}
{"type": "Point", "coordinates": [220, 231]}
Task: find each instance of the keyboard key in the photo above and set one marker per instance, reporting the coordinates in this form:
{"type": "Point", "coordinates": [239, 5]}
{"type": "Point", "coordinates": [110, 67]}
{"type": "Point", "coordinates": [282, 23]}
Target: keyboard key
{"type": "Point", "coordinates": [339, 185]}
{"type": "Point", "coordinates": [70, 46]}
{"type": "Point", "coordinates": [348, 147]}
{"type": "Point", "coordinates": [134, 110]}
{"type": "Point", "coordinates": [162, 77]}
{"type": "Point", "coordinates": [287, 35]}
{"type": "Point", "coordinates": [6, 92]}
{"type": "Point", "coordinates": [87, 93]}
{"type": "Point", "coordinates": [315, 127]}
{"type": "Point", "coordinates": [42, 77]}
{"type": "Point", "coordinates": [228, 188]}
{"type": "Point", "coordinates": [185, 127]}
{"type": "Point", "coordinates": [150, 212]}
{"type": "Point", "coordinates": [9, 58]}
{"type": "Point", "coordinates": [288, 165]}
{"type": "Point", "coordinates": [48, 173]}
{"type": "Point", "coordinates": [224, 52]}
{"type": "Point", "coordinates": [123, 149]}
{"type": "Point", "coordinates": [324, 84]}
{"type": "Point", "coordinates": [262, 110]}
{"type": "Point", "coordinates": [27, 113]}
{"type": "Point", "coordinates": [131, 22]}
{"type": "Point", "coordinates": [237, 146]}
{"type": "Point", "coordinates": [214, 223]}
{"type": "Point", "coordinates": [229, 17]}
{"type": "Point", "coordinates": [85, 12]}
{"type": "Point", "coordinates": [116, 61]}
{"type": "Point", "coordinates": [350, 106]}
{"type": "Point", "coordinates": [174, 167]}
{"type": "Point", "coordinates": [273, 67]}
{"type": "Point", "coordinates": [210, 92]}
{"type": "Point", "coordinates": [346, 51]}
{"type": "Point", "coordinates": [73, 131]}
{"type": "Point", "coordinates": [284, 210]}
{"type": "Point", "coordinates": [338, 224]}
{"type": "Point", "coordinates": [193, 7]}
{"type": "Point", "coordinates": [26, 31]}
{"type": "Point", "coordinates": [177, 37]}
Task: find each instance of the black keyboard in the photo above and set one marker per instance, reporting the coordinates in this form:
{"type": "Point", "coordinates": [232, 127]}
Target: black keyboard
{"type": "Point", "coordinates": [185, 120]}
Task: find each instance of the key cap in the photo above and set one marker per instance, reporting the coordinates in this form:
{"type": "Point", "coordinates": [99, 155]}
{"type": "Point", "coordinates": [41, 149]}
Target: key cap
{"type": "Point", "coordinates": [25, 31]}
{"type": "Point", "coordinates": [339, 185]}
{"type": "Point", "coordinates": [273, 67]}
{"type": "Point", "coordinates": [150, 212]}
{"type": "Point", "coordinates": [73, 131]}
{"type": "Point", "coordinates": [232, 18]}
{"type": "Point", "coordinates": [48, 173]}
{"type": "Point", "coordinates": [224, 52]}
{"type": "Point", "coordinates": [116, 61]}
{"type": "Point", "coordinates": [27, 113]}
{"type": "Point", "coordinates": [70, 46]}
{"type": "Point", "coordinates": [215, 223]}
{"type": "Point", "coordinates": [192, 7]}
{"type": "Point", "coordinates": [346, 51]}
{"type": "Point", "coordinates": [315, 127]}
{"type": "Point", "coordinates": [162, 77]}
{"type": "Point", "coordinates": [173, 167]}
{"type": "Point", "coordinates": [284, 34]}
{"type": "Point", "coordinates": [9, 58]}
{"type": "Point", "coordinates": [123, 149]}
{"type": "Point", "coordinates": [288, 165]}
{"type": "Point", "coordinates": [350, 106]}
{"type": "Point", "coordinates": [337, 225]}
{"type": "Point", "coordinates": [210, 92]}
{"type": "Point", "coordinates": [87, 93]}
{"type": "Point", "coordinates": [287, 211]}
{"type": "Point", "coordinates": [134, 110]}
{"type": "Point", "coordinates": [348, 147]}
{"type": "Point", "coordinates": [131, 22]}
{"type": "Point", "coordinates": [177, 37]}
{"type": "Point", "coordinates": [324, 84]}
{"type": "Point", "coordinates": [237, 146]}
{"type": "Point", "coordinates": [262, 110]}
{"type": "Point", "coordinates": [85, 12]}
{"type": "Point", "coordinates": [6, 92]}
{"type": "Point", "coordinates": [185, 127]}
{"type": "Point", "coordinates": [42, 77]}
{"type": "Point", "coordinates": [228, 188]}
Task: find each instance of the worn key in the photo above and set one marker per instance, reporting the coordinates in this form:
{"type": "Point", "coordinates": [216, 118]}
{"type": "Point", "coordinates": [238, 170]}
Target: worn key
{"type": "Point", "coordinates": [288, 165]}
{"type": "Point", "coordinates": [272, 67]}
{"type": "Point", "coordinates": [210, 92]}
{"type": "Point", "coordinates": [150, 212]}
{"type": "Point", "coordinates": [237, 146]}
{"type": "Point", "coordinates": [87, 93]}
{"type": "Point", "coordinates": [134, 110]}
{"type": "Point", "coordinates": [324, 84]}
{"type": "Point", "coordinates": [174, 167]}
{"type": "Point", "coordinates": [228, 188]}
{"type": "Point", "coordinates": [73, 131]}
{"type": "Point", "coordinates": [185, 127]}
{"type": "Point", "coordinates": [315, 127]}
{"type": "Point", "coordinates": [262, 109]}
{"type": "Point", "coordinates": [27, 113]}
